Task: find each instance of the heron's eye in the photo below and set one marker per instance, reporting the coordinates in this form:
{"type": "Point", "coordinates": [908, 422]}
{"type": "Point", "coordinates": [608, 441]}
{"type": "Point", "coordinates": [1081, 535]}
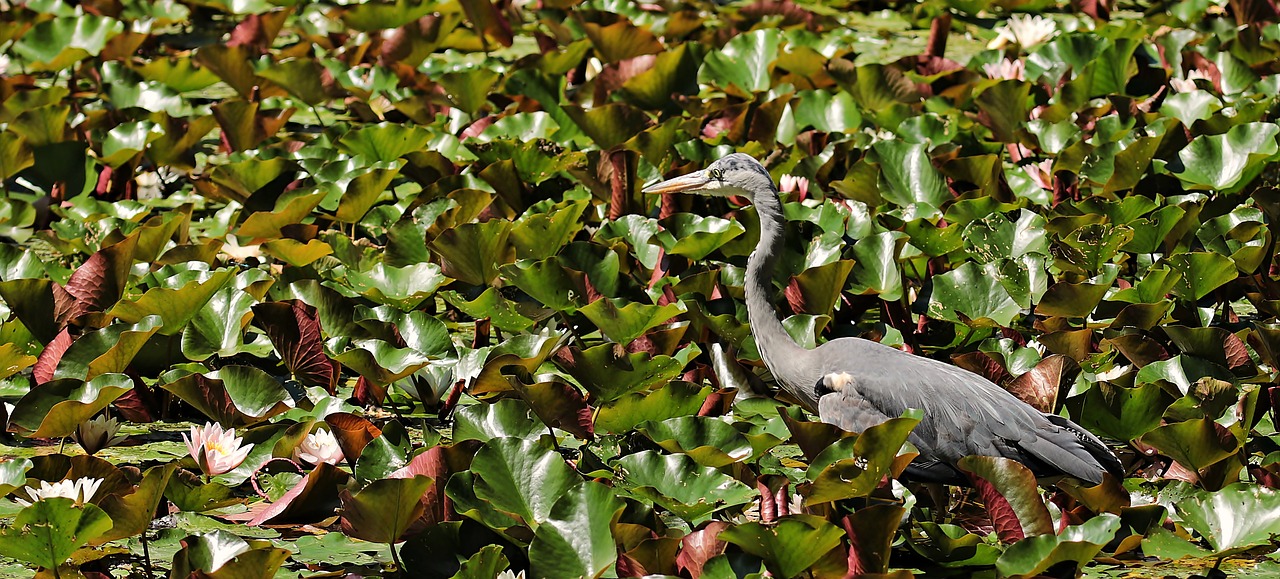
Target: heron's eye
{"type": "Point", "coordinates": [717, 174]}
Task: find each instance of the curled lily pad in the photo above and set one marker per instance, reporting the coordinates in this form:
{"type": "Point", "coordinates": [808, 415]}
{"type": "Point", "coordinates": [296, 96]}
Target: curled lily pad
{"type": "Point", "coordinates": [680, 485]}
{"type": "Point", "coordinates": [709, 441]}
{"type": "Point", "coordinates": [695, 236]}
{"type": "Point", "coordinates": [56, 408]}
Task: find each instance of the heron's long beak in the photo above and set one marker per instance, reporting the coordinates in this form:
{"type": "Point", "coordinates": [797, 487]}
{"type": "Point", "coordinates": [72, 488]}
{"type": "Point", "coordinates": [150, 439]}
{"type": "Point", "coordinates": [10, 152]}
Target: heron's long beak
{"type": "Point", "coordinates": [691, 182]}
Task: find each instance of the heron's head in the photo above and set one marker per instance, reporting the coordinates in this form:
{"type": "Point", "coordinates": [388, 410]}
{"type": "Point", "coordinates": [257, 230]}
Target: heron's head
{"type": "Point", "coordinates": [733, 174]}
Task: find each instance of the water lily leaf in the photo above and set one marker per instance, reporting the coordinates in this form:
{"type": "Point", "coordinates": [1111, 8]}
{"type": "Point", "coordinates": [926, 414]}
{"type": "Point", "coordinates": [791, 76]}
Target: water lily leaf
{"type": "Point", "coordinates": [609, 125]}
{"type": "Point", "coordinates": [362, 188]}
{"type": "Point", "coordinates": [126, 140]}
{"type": "Point", "coordinates": [623, 321]}
{"type": "Point", "coordinates": [1071, 300]}
{"type": "Point", "coordinates": [503, 313]}
{"type": "Point", "coordinates": [672, 400]}
{"type": "Point", "coordinates": [56, 408]}
{"type": "Point", "coordinates": [694, 236]}
{"type": "Point", "coordinates": [609, 374]}
{"type": "Point", "coordinates": [1202, 272]}
{"type": "Point", "coordinates": [678, 484]}
{"type": "Point", "coordinates": [131, 514]}
{"type": "Point", "coordinates": [909, 180]}
{"type": "Point", "coordinates": [265, 225]}
{"type": "Point", "coordinates": [967, 295]}
{"type": "Point", "coordinates": [743, 62]}
{"type": "Point", "coordinates": [384, 509]}
{"type": "Point", "coordinates": [875, 269]}
{"type": "Point", "coordinates": [523, 477]}
{"type": "Point", "coordinates": [1233, 519]}
{"type": "Point", "coordinates": [1229, 161]}
{"type": "Point", "coordinates": [472, 252]}
{"type": "Point", "coordinates": [13, 474]}
{"type": "Point", "coordinates": [403, 287]}
{"type": "Point", "coordinates": [1090, 246]}
{"type": "Point", "coordinates": [1004, 108]}
{"type": "Point", "coordinates": [635, 231]}
{"type": "Point", "coordinates": [56, 43]}
{"type": "Point", "coordinates": [1011, 496]}
{"type": "Point", "coordinates": [234, 396]}
{"type": "Point", "coordinates": [826, 111]}
{"type": "Point", "coordinates": [13, 360]}
{"type": "Point", "coordinates": [995, 236]}
{"type": "Point", "coordinates": [469, 89]}
{"type": "Point", "coordinates": [206, 555]}
{"type": "Point", "coordinates": [575, 540]}
{"type": "Point", "coordinates": [302, 77]}
{"type": "Point", "coordinates": [1196, 444]}
{"type": "Point", "coordinates": [294, 330]}
{"type": "Point", "coordinates": [788, 547]}
{"type": "Point", "coordinates": [1124, 413]}
{"type": "Point", "coordinates": [854, 466]}
{"type": "Point", "coordinates": [380, 361]}
{"type": "Point", "coordinates": [1078, 543]}
{"type": "Point", "coordinates": [100, 281]}
{"type": "Point", "coordinates": [709, 441]}
{"type": "Point", "coordinates": [50, 530]}
{"type": "Point", "coordinates": [557, 402]}
{"type": "Point", "coordinates": [505, 418]}
{"type": "Point", "coordinates": [952, 546]}
{"type": "Point", "coordinates": [541, 235]}
{"type": "Point", "coordinates": [189, 493]}
{"type": "Point", "coordinates": [31, 301]}
{"type": "Point", "coordinates": [674, 71]}
{"type": "Point", "coordinates": [176, 307]}
{"type": "Point", "coordinates": [217, 328]}
{"type": "Point", "coordinates": [385, 142]}
{"type": "Point", "coordinates": [548, 282]}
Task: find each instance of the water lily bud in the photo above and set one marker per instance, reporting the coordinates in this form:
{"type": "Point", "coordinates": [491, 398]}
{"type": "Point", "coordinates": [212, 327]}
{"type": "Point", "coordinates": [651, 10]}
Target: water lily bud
{"type": "Point", "coordinates": [97, 434]}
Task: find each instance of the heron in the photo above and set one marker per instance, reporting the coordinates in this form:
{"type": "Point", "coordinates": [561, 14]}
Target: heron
{"type": "Point", "coordinates": [854, 383]}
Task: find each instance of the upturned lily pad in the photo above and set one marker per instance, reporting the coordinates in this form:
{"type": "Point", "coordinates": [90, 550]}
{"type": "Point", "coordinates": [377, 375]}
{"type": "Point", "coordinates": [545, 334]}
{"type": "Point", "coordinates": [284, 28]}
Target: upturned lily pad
{"type": "Point", "coordinates": [522, 477]}
{"type": "Point", "coordinates": [1078, 543]}
{"type": "Point", "coordinates": [575, 539]}
{"type": "Point", "coordinates": [967, 295]}
{"type": "Point", "coordinates": [56, 408]}
{"type": "Point", "coordinates": [695, 237]}
{"type": "Point", "coordinates": [680, 485]}
{"type": "Point", "coordinates": [672, 400]}
{"type": "Point", "coordinates": [403, 287]}
{"type": "Point", "coordinates": [624, 321]}
{"type": "Point", "coordinates": [709, 441]}
{"type": "Point", "coordinates": [854, 466]}
{"type": "Point", "coordinates": [609, 374]}
{"type": "Point", "coordinates": [790, 546]}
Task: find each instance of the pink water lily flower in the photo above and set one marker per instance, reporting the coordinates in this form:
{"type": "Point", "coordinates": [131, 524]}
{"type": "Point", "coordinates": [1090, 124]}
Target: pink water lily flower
{"type": "Point", "coordinates": [319, 446]}
{"type": "Point", "coordinates": [216, 451]}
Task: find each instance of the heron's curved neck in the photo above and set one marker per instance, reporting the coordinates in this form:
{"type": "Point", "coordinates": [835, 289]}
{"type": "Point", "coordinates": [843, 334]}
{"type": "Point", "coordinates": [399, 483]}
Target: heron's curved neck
{"type": "Point", "coordinates": [779, 352]}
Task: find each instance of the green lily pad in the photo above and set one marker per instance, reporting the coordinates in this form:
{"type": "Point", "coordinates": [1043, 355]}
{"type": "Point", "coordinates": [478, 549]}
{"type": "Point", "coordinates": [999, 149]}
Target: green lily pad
{"type": "Point", "coordinates": [694, 236]}
{"type": "Point", "coordinates": [575, 540]}
{"type": "Point", "coordinates": [46, 533]}
{"type": "Point", "coordinates": [788, 547]}
{"type": "Point", "coordinates": [1078, 543]}
{"type": "Point", "coordinates": [623, 321]}
{"type": "Point", "coordinates": [56, 408]}
{"type": "Point", "coordinates": [709, 441]}
{"type": "Point", "coordinates": [678, 484]}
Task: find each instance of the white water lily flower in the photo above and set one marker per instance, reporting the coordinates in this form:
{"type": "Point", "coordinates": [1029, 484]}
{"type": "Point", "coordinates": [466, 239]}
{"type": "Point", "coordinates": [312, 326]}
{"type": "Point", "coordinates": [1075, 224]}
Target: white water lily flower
{"type": "Point", "coordinates": [1005, 70]}
{"type": "Point", "coordinates": [1025, 31]}
{"type": "Point", "coordinates": [216, 451]}
{"type": "Point", "coordinates": [79, 490]}
{"type": "Point", "coordinates": [97, 434]}
{"type": "Point", "coordinates": [319, 446]}
{"type": "Point", "coordinates": [510, 575]}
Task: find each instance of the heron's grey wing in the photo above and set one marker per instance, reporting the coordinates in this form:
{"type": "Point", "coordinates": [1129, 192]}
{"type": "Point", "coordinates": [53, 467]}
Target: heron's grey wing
{"type": "Point", "coordinates": [964, 414]}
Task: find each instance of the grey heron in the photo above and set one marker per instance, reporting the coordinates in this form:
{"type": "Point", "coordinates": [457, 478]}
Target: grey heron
{"type": "Point", "coordinates": [855, 383]}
